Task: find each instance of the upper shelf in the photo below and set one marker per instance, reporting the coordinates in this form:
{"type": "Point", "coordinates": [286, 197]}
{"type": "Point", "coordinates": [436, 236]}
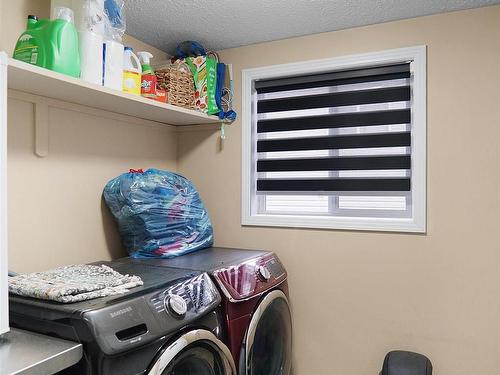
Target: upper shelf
{"type": "Point", "coordinates": [39, 81]}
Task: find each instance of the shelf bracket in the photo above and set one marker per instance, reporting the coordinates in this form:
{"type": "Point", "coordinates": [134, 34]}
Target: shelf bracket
{"type": "Point", "coordinates": [222, 130]}
{"type": "Point", "coordinates": [41, 129]}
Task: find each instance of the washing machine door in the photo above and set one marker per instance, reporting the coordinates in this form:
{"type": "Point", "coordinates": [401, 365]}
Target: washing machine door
{"type": "Point", "coordinates": [267, 348]}
{"type": "Point", "coordinates": [197, 352]}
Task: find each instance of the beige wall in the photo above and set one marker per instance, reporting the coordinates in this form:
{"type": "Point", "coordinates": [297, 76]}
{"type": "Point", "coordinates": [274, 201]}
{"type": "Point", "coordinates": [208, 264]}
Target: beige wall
{"type": "Point", "coordinates": [159, 57]}
{"type": "Point", "coordinates": [56, 215]}
{"type": "Point", "coordinates": [13, 19]}
{"type": "Point", "coordinates": [13, 22]}
{"type": "Point", "coordinates": [357, 295]}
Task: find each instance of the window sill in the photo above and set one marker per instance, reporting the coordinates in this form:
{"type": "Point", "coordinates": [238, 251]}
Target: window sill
{"type": "Point", "coordinates": [410, 225]}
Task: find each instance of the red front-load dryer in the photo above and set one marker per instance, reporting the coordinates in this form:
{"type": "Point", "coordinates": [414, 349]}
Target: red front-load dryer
{"type": "Point", "coordinates": [255, 303]}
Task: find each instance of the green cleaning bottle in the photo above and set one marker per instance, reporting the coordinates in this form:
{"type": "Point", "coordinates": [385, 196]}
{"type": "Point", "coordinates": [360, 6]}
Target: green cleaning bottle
{"type": "Point", "coordinates": [148, 78]}
{"type": "Point", "coordinates": [51, 44]}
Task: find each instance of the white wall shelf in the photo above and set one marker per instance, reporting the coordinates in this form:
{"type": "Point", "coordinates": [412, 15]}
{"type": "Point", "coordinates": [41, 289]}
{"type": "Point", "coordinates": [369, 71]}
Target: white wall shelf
{"type": "Point", "coordinates": [43, 82]}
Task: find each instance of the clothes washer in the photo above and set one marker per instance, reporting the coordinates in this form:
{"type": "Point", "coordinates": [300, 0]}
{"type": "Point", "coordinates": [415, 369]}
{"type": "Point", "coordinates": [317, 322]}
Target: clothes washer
{"type": "Point", "coordinates": [255, 304]}
{"type": "Point", "coordinates": [171, 325]}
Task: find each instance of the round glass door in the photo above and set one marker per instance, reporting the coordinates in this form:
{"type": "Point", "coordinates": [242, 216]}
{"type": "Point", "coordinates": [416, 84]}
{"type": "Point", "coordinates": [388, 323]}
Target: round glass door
{"type": "Point", "coordinates": [269, 337]}
{"type": "Point", "coordinates": [197, 352]}
{"type": "Point", "coordinates": [196, 360]}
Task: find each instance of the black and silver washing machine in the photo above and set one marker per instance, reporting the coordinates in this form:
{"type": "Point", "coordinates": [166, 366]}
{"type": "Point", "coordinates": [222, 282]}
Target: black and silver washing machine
{"type": "Point", "coordinates": [172, 325]}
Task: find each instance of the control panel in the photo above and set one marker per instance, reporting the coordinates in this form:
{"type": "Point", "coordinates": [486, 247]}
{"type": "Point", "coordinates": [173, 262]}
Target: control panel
{"type": "Point", "coordinates": [193, 296]}
{"type": "Point", "coordinates": [252, 277]}
{"type": "Point", "coordinates": [141, 319]}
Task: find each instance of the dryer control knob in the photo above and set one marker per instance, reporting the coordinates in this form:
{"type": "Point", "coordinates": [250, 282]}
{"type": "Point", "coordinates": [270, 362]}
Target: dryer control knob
{"type": "Point", "coordinates": [264, 273]}
{"type": "Point", "coordinates": [177, 305]}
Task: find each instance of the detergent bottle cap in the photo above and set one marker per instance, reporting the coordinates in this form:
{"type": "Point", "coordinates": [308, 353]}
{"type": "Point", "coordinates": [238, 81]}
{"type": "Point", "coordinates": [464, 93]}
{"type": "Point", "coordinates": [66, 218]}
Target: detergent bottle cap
{"type": "Point", "coordinates": [63, 13]}
{"type": "Point", "coordinates": [32, 20]}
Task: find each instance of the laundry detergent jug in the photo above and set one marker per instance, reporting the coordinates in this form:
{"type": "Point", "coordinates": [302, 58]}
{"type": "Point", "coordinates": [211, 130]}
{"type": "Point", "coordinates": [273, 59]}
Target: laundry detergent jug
{"type": "Point", "coordinates": [51, 44]}
{"type": "Point", "coordinates": [131, 72]}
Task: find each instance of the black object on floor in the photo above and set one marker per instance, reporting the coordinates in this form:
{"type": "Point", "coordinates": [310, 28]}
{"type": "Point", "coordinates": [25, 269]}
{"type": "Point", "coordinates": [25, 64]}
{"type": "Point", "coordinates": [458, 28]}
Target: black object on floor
{"type": "Point", "coordinates": [399, 362]}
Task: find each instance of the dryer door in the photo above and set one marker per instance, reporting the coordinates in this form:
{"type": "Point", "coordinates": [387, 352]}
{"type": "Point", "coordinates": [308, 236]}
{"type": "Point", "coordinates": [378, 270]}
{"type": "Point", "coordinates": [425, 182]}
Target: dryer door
{"type": "Point", "coordinates": [197, 352]}
{"type": "Point", "coordinates": [267, 348]}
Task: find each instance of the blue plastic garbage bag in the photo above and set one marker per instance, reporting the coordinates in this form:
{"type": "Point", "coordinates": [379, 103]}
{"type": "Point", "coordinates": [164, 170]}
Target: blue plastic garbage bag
{"type": "Point", "coordinates": [159, 213]}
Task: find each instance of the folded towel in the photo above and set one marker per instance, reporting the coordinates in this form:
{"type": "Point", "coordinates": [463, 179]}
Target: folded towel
{"type": "Point", "coordinates": [74, 283]}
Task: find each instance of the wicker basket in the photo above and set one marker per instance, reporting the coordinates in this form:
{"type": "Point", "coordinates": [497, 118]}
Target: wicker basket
{"type": "Point", "coordinates": [177, 81]}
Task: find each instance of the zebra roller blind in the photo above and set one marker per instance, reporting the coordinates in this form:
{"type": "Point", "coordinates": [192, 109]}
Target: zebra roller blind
{"type": "Point", "coordinates": [331, 142]}
{"type": "Point", "coordinates": [335, 141]}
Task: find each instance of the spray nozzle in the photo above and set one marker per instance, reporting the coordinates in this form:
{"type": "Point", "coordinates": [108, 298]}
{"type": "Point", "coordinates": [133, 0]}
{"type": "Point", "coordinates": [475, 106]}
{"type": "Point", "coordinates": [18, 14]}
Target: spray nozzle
{"type": "Point", "coordinates": [144, 57]}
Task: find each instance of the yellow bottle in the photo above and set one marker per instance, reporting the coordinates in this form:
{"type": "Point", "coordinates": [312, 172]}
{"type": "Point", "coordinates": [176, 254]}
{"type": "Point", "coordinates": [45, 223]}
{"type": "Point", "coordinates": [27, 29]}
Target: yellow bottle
{"type": "Point", "coordinates": [131, 72]}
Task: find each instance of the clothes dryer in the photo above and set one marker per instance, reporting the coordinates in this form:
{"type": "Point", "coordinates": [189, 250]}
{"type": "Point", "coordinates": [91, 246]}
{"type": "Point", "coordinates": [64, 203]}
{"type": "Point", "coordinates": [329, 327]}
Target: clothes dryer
{"type": "Point", "coordinates": [255, 301]}
{"type": "Point", "coordinates": [171, 325]}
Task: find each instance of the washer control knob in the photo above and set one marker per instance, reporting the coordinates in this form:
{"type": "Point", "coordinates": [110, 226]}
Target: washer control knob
{"type": "Point", "coordinates": [264, 273]}
{"type": "Point", "coordinates": [177, 305]}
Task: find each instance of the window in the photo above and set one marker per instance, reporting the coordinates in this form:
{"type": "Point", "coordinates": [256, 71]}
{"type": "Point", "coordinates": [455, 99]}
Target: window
{"type": "Point", "coordinates": [337, 143]}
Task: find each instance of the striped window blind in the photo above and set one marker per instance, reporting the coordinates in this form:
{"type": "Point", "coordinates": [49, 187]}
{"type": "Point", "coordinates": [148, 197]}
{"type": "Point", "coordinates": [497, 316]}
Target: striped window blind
{"type": "Point", "coordinates": [336, 143]}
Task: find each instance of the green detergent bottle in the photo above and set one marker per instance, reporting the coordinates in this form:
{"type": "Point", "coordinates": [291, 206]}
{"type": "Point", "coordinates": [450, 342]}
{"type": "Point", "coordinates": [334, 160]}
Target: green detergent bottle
{"type": "Point", "coordinates": [51, 44]}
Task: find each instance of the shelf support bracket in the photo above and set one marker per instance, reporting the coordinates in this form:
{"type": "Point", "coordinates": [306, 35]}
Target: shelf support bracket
{"type": "Point", "coordinates": [222, 130]}
{"type": "Point", "coordinates": [41, 129]}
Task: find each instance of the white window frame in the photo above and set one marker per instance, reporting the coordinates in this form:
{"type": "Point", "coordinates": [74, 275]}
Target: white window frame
{"type": "Point", "coordinates": [417, 223]}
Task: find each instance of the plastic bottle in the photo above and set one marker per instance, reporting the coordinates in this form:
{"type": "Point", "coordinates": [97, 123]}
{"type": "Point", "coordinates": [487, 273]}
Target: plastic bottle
{"type": "Point", "coordinates": [51, 44]}
{"type": "Point", "coordinates": [89, 21]}
{"type": "Point", "coordinates": [114, 56]}
{"type": "Point", "coordinates": [131, 72]}
{"type": "Point", "coordinates": [148, 81]}
{"type": "Point", "coordinates": [91, 45]}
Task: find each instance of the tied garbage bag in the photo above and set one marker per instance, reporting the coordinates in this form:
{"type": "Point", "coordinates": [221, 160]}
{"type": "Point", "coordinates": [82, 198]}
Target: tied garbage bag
{"type": "Point", "coordinates": [159, 213]}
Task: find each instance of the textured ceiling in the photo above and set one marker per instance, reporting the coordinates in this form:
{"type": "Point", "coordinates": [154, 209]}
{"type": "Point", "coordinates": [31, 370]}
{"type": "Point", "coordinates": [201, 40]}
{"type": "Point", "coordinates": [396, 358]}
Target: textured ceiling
{"type": "Point", "coordinates": [220, 24]}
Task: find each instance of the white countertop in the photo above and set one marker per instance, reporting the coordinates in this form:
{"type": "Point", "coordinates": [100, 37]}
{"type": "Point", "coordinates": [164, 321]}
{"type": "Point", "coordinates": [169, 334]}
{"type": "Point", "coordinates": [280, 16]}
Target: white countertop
{"type": "Point", "coordinates": [24, 352]}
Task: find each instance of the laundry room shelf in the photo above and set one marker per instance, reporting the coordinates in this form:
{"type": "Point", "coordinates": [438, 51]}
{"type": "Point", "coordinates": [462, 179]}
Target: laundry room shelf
{"type": "Point", "coordinates": [39, 81]}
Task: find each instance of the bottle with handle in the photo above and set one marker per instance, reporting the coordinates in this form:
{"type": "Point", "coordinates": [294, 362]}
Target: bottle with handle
{"type": "Point", "coordinates": [51, 44]}
{"type": "Point", "coordinates": [131, 72]}
{"type": "Point", "coordinates": [89, 19]}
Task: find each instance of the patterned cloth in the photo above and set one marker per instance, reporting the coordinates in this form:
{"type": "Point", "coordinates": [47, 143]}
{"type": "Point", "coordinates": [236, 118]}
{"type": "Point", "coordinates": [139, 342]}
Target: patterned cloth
{"type": "Point", "coordinates": [73, 283]}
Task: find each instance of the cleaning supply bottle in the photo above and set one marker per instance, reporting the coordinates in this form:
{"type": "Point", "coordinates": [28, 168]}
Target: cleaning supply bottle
{"type": "Point", "coordinates": [90, 22]}
{"type": "Point", "coordinates": [131, 72]}
{"type": "Point", "coordinates": [113, 59]}
{"type": "Point", "coordinates": [148, 81]}
{"type": "Point", "coordinates": [51, 44]}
